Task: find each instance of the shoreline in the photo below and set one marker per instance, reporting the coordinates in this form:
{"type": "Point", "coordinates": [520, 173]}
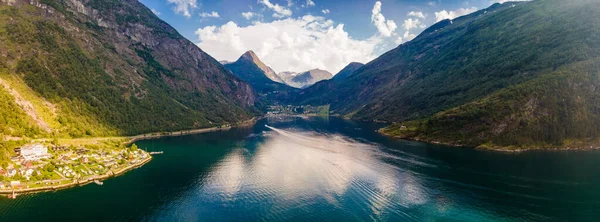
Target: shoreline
{"type": "Point", "coordinates": [119, 172]}
{"type": "Point", "coordinates": [74, 183]}
{"type": "Point", "coordinates": [156, 135]}
{"type": "Point", "coordinates": [493, 149]}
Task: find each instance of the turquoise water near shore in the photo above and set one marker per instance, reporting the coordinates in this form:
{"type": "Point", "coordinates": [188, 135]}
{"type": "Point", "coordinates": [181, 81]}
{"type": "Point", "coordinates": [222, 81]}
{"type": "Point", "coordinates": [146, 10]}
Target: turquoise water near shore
{"type": "Point", "coordinates": [327, 169]}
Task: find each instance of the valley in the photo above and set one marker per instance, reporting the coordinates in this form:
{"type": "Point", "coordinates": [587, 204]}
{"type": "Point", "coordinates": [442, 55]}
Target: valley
{"type": "Point", "coordinates": [85, 81]}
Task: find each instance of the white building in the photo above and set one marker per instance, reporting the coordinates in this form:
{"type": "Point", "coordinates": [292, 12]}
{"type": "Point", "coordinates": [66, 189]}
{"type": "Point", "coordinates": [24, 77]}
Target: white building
{"type": "Point", "coordinates": [15, 183]}
{"type": "Point", "coordinates": [34, 152]}
{"type": "Point", "coordinates": [12, 172]}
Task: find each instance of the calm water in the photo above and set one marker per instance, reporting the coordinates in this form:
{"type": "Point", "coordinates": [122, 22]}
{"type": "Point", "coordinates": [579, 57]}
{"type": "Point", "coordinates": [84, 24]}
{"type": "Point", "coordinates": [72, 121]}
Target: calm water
{"type": "Point", "coordinates": [327, 169]}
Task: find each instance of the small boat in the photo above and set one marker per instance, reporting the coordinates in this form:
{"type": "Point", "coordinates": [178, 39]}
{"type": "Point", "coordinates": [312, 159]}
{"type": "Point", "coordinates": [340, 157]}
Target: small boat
{"type": "Point", "coordinates": [13, 196]}
{"type": "Point", "coordinates": [98, 182]}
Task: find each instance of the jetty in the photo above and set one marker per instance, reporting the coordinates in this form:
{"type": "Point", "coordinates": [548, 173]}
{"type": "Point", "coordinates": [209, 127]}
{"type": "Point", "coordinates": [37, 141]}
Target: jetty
{"type": "Point", "coordinates": [156, 153]}
{"type": "Point", "coordinates": [13, 196]}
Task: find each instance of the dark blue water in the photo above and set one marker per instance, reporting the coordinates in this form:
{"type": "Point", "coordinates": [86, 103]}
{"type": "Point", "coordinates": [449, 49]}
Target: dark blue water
{"type": "Point", "coordinates": [328, 170]}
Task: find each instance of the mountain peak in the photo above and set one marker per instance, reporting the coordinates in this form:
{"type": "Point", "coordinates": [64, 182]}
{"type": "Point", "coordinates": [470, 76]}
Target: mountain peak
{"type": "Point", "coordinates": [319, 72]}
{"type": "Point", "coordinates": [347, 71]}
{"type": "Point", "coordinates": [251, 57]}
{"type": "Point", "coordinates": [355, 64]}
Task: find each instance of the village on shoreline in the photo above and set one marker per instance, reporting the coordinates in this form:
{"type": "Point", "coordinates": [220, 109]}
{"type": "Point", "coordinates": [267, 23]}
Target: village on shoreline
{"type": "Point", "coordinates": [38, 167]}
{"type": "Point", "coordinates": [47, 165]}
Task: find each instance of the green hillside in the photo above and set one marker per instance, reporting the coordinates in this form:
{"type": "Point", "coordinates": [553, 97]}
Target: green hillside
{"type": "Point", "coordinates": [476, 58]}
{"type": "Point", "coordinates": [106, 68]}
{"type": "Point", "coordinates": [560, 109]}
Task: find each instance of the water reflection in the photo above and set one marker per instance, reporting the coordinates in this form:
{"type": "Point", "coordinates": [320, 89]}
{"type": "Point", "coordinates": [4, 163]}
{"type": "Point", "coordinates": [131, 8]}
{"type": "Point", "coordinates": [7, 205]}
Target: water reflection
{"type": "Point", "coordinates": [294, 167]}
{"type": "Point", "coordinates": [328, 170]}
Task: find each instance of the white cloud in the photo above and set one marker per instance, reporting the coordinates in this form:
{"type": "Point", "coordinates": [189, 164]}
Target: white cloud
{"type": "Point", "coordinates": [503, 1]}
{"type": "Point", "coordinates": [411, 24]}
{"type": "Point", "coordinates": [184, 6]}
{"type": "Point", "coordinates": [249, 15]}
{"type": "Point", "coordinates": [416, 14]}
{"type": "Point", "coordinates": [325, 11]}
{"type": "Point", "coordinates": [405, 38]}
{"type": "Point", "coordinates": [292, 44]}
{"type": "Point", "coordinates": [408, 25]}
{"type": "Point", "coordinates": [386, 28]}
{"type": "Point", "coordinates": [408, 36]}
{"type": "Point", "coordinates": [156, 12]}
{"type": "Point", "coordinates": [309, 3]}
{"type": "Point", "coordinates": [441, 15]}
{"type": "Point", "coordinates": [279, 10]}
{"type": "Point", "coordinates": [431, 3]}
{"type": "Point", "coordinates": [213, 14]}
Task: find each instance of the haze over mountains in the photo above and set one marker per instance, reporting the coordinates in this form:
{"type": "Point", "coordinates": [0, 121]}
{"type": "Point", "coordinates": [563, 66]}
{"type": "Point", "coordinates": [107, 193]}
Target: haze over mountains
{"type": "Point", "coordinates": [250, 68]}
{"type": "Point", "coordinates": [518, 74]}
{"type": "Point", "coordinates": [305, 79]}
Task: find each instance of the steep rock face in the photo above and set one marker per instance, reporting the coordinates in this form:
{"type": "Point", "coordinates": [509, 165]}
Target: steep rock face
{"type": "Point", "coordinates": [260, 76]}
{"type": "Point", "coordinates": [305, 79]}
{"type": "Point", "coordinates": [251, 57]}
{"type": "Point", "coordinates": [193, 69]}
{"type": "Point", "coordinates": [446, 78]}
{"type": "Point", "coordinates": [113, 67]}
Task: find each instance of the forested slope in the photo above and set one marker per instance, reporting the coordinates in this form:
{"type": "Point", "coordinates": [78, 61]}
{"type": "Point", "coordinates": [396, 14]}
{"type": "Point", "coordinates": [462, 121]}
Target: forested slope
{"type": "Point", "coordinates": [76, 68]}
{"type": "Point", "coordinates": [467, 70]}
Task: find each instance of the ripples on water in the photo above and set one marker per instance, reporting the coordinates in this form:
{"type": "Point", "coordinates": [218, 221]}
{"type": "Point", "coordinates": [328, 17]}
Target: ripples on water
{"type": "Point", "coordinates": [292, 170]}
{"type": "Point", "coordinates": [284, 174]}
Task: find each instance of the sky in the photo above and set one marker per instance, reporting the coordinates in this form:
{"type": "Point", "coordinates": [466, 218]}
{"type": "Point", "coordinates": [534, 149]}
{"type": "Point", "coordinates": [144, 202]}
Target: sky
{"type": "Point", "coordinates": [299, 35]}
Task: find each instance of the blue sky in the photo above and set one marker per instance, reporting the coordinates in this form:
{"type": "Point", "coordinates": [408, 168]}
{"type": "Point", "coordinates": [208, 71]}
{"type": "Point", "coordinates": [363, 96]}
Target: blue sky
{"type": "Point", "coordinates": [297, 35]}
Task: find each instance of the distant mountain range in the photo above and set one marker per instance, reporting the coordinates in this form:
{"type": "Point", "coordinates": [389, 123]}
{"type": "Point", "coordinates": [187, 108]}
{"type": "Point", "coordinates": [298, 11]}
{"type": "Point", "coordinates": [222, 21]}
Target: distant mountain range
{"type": "Point", "coordinates": [260, 76]}
{"type": "Point", "coordinates": [305, 79]}
{"type": "Point", "coordinates": [250, 68]}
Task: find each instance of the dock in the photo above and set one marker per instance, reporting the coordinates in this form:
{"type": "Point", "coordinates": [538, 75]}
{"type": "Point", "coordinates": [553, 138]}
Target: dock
{"type": "Point", "coordinates": [13, 196]}
{"type": "Point", "coordinates": [156, 153]}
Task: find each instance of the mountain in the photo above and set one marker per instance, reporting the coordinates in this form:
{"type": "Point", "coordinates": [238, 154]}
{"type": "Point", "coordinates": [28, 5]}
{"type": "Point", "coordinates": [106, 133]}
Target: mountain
{"type": "Point", "coordinates": [287, 75]}
{"type": "Point", "coordinates": [260, 76]}
{"type": "Point", "coordinates": [512, 76]}
{"type": "Point", "coordinates": [347, 71]}
{"type": "Point", "coordinates": [75, 68]}
{"type": "Point", "coordinates": [316, 92]}
{"type": "Point", "coordinates": [251, 57]}
{"type": "Point", "coordinates": [305, 79]}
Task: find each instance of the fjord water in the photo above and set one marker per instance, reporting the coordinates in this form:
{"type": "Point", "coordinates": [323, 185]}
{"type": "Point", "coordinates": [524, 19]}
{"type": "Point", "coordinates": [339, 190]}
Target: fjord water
{"type": "Point", "coordinates": [327, 169]}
